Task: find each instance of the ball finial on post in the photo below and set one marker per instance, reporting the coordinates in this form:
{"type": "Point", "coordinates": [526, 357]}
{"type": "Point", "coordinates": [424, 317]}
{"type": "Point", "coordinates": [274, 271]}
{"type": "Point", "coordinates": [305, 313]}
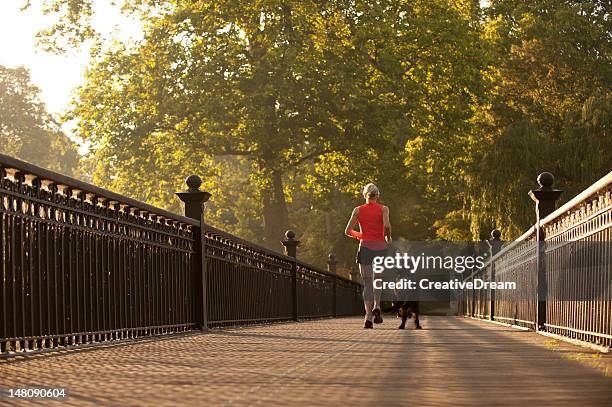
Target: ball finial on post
{"type": "Point", "coordinates": [193, 182]}
{"type": "Point", "coordinates": [546, 180]}
{"type": "Point", "coordinates": [290, 244]}
{"type": "Point", "coordinates": [193, 198]}
{"type": "Point", "coordinates": [545, 197]}
{"type": "Point", "coordinates": [495, 241]}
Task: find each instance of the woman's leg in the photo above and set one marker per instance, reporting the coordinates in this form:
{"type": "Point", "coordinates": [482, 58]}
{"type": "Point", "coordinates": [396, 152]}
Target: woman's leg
{"type": "Point", "coordinates": [368, 289]}
{"type": "Point", "coordinates": [377, 293]}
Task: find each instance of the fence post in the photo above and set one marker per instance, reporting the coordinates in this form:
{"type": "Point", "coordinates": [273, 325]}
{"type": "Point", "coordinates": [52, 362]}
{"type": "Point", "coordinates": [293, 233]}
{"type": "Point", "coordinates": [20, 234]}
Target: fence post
{"type": "Point", "coordinates": [291, 250]}
{"type": "Point", "coordinates": [495, 247]}
{"type": "Point", "coordinates": [194, 200]}
{"type": "Point", "coordinates": [545, 199]}
{"type": "Point", "coordinates": [331, 267]}
{"type": "Point", "coordinates": [496, 242]}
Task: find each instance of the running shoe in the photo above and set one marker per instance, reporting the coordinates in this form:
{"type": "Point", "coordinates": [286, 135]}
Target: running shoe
{"type": "Point", "coordinates": [377, 316]}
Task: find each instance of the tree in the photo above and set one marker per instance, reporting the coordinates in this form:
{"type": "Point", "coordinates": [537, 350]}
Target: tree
{"type": "Point", "coordinates": [27, 131]}
{"type": "Point", "coordinates": [549, 112]}
{"type": "Point", "coordinates": [300, 90]}
{"type": "Point", "coordinates": [221, 79]}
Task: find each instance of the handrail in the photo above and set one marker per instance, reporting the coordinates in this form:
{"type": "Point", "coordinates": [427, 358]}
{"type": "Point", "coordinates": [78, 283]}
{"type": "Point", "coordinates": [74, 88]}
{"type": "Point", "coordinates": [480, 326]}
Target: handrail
{"type": "Point", "coordinates": [602, 183]}
{"type": "Point", "coordinates": [504, 250]}
{"type": "Point", "coordinates": [8, 162]}
{"type": "Point", "coordinates": [269, 252]}
{"type": "Point", "coordinates": [514, 243]}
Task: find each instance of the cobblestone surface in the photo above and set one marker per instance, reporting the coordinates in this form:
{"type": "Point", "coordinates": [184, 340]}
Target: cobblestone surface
{"type": "Point", "coordinates": [452, 361]}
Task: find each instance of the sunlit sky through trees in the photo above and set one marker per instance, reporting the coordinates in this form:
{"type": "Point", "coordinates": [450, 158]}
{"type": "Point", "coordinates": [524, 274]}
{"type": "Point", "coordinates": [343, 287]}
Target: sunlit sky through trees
{"type": "Point", "coordinates": [55, 75]}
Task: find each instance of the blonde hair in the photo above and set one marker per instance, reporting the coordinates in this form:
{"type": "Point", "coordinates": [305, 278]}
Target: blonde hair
{"type": "Point", "coordinates": [371, 190]}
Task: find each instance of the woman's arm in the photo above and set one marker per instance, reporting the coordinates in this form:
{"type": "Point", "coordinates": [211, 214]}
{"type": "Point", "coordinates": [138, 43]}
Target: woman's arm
{"type": "Point", "coordinates": [387, 224]}
{"type": "Point", "coordinates": [351, 224]}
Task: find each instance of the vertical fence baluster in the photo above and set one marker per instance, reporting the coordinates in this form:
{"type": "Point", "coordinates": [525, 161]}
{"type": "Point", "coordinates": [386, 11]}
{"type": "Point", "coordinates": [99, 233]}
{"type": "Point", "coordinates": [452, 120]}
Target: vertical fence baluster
{"type": "Point", "coordinates": [84, 303]}
{"type": "Point", "coordinates": [123, 261]}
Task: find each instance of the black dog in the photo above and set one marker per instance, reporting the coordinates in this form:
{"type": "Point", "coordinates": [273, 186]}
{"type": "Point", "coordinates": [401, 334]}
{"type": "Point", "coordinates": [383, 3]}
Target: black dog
{"type": "Point", "coordinates": [406, 310]}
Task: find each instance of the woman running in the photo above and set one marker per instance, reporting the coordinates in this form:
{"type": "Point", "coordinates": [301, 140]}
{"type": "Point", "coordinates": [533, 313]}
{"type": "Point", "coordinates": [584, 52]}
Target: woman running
{"type": "Point", "coordinates": [374, 235]}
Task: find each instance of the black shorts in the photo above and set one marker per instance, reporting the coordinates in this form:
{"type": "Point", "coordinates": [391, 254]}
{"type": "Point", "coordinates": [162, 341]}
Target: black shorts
{"type": "Point", "coordinates": [366, 256]}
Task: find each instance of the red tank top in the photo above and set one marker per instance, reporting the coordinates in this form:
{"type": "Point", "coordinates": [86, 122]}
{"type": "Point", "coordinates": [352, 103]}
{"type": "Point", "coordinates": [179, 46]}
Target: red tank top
{"type": "Point", "coordinates": [371, 224]}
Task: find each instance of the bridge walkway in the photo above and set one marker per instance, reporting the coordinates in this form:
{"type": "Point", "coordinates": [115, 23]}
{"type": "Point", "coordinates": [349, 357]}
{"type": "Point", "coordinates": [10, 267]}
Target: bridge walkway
{"type": "Point", "coordinates": [452, 361]}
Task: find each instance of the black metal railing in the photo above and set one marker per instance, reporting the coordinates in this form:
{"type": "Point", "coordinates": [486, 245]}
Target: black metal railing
{"type": "Point", "coordinates": [80, 264]}
{"type": "Point", "coordinates": [578, 255]}
{"type": "Point", "coordinates": [248, 283]}
{"type": "Point", "coordinates": [515, 263]}
{"type": "Point", "coordinates": [562, 267]}
{"type": "Point", "coordinates": [245, 284]}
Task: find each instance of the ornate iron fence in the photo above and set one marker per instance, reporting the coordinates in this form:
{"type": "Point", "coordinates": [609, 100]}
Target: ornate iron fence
{"type": "Point", "coordinates": [515, 263]}
{"type": "Point", "coordinates": [251, 284]}
{"type": "Point", "coordinates": [80, 264]}
{"type": "Point", "coordinates": [562, 267]}
{"type": "Point", "coordinates": [578, 253]}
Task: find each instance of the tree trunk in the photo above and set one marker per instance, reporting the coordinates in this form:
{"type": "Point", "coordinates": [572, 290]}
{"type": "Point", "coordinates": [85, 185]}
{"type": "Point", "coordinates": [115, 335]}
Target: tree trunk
{"type": "Point", "coordinates": [275, 213]}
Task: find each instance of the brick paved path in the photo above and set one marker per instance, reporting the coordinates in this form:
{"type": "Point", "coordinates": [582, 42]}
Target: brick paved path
{"type": "Point", "coordinates": [453, 361]}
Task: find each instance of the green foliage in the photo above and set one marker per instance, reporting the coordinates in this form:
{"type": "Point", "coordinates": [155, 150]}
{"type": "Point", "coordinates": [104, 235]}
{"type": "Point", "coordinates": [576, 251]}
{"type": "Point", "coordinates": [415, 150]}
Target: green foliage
{"type": "Point", "coordinates": [333, 90]}
{"type": "Point", "coordinates": [454, 227]}
{"type": "Point", "coordinates": [27, 131]}
{"type": "Point", "coordinates": [287, 108]}
{"type": "Point", "coordinates": [550, 111]}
